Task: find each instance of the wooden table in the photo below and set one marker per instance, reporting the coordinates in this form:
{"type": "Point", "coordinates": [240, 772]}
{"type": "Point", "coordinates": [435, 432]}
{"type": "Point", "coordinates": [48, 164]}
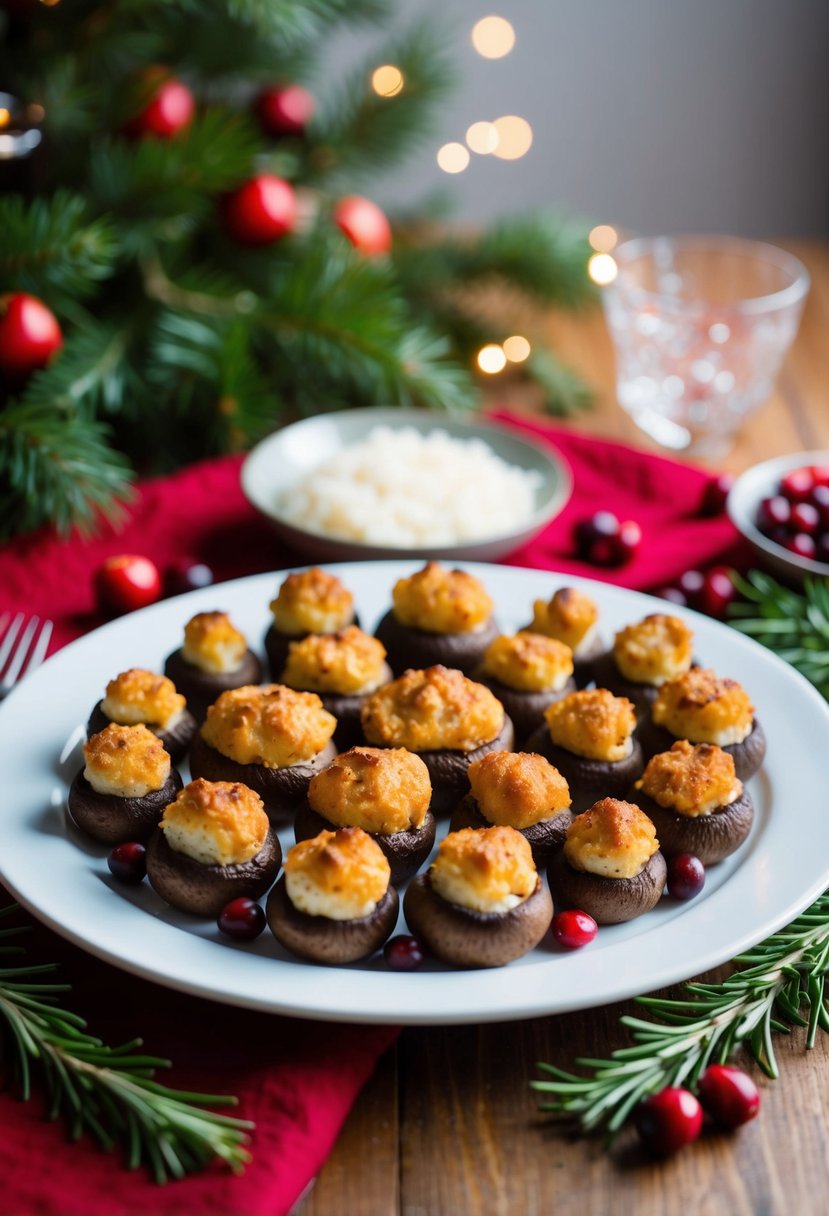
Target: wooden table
{"type": "Point", "coordinates": [448, 1125]}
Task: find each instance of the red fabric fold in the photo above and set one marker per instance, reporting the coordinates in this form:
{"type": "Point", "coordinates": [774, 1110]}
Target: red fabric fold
{"type": "Point", "coordinates": [295, 1079]}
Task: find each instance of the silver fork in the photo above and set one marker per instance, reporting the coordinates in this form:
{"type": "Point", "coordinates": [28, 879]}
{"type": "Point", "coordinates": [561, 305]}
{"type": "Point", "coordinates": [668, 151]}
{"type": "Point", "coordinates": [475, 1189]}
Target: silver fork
{"type": "Point", "coordinates": [22, 648]}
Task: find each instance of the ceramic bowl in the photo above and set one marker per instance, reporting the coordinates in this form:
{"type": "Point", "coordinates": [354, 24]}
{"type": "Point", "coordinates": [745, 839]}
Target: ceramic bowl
{"type": "Point", "coordinates": [748, 491]}
{"type": "Point", "coordinates": [288, 455]}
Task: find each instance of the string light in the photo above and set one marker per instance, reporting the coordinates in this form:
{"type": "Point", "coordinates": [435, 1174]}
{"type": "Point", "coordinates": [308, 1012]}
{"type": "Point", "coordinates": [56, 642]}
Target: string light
{"type": "Point", "coordinates": [482, 137]}
{"type": "Point", "coordinates": [5, 117]}
{"type": "Point", "coordinates": [453, 158]}
{"type": "Point", "coordinates": [602, 269]}
{"type": "Point", "coordinates": [493, 37]}
{"type": "Point", "coordinates": [491, 359]}
{"type": "Point", "coordinates": [517, 348]}
{"type": "Point", "coordinates": [515, 137]}
{"type": "Point", "coordinates": [603, 238]}
{"type": "Point", "coordinates": [387, 80]}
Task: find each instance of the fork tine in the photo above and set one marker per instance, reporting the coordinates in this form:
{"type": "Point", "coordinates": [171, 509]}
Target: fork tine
{"type": "Point", "coordinates": [19, 656]}
{"type": "Point", "coordinates": [41, 646]}
{"type": "Point", "coordinates": [10, 637]}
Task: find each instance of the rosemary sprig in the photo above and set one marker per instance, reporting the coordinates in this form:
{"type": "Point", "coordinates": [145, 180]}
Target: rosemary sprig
{"type": "Point", "coordinates": [108, 1091]}
{"type": "Point", "coordinates": [794, 625]}
{"type": "Point", "coordinates": [777, 985]}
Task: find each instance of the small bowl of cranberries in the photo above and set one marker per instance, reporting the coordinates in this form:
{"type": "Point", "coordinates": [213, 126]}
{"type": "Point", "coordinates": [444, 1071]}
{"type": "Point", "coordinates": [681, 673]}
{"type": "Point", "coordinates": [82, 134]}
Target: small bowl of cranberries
{"type": "Point", "coordinates": [781, 507]}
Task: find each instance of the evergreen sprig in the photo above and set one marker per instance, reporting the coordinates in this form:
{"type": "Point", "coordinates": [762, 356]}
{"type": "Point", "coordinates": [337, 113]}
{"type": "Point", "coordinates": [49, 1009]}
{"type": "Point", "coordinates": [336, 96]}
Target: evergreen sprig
{"type": "Point", "coordinates": [108, 1092]}
{"type": "Point", "coordinates": [793, 624]}
{"type": "Point", "coordinates": [779, 984]}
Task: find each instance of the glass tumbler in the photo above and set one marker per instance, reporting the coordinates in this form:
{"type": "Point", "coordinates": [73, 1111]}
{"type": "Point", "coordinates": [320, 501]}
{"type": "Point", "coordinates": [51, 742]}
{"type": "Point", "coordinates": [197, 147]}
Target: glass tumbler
{"type": "Point", "coordinates": [700, 326]}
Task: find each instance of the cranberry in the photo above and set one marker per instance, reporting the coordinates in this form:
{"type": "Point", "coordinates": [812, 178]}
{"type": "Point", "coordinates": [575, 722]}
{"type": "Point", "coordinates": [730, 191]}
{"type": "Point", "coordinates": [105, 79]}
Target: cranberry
{"type": "Point", "coordinates": [127, 582]}
{"type": "Point", "coordinates": [595, 538]}
{"type": "Point", "coordinates": [716, 493]}
{"type": "Point", "coordinates": [717, 592]}
{"type": "Point", "coordinates": [627, 541]}
{"type": "Point", "coordinates": [819, 498]}
{"type": "Point", "coordinates": [573, 929]}
{"type": "Point", "coordinates": [403, 953]}
{"type": "Point", "coordinates": [674, 596]}
{"type": "Point", "coordinates": [823, 547]}
{"type": "Point", "coordinates": [805, 517]}
{"type": "Point", "coordinates": [690, 584]}
{"type": "Point", "coordinates": [242, 918]}
{"type": "Point", "coordinates": [729, 1095]}
{"type": "Point", "coordinates": [128, 862]}
{"type": "Point", "coordinates": [286, 110]}
{"type": "Point", "coordinates": [186, 574]}
{"type": "Point", "coordinates": [801, 544]}
{"type": "Point", "coordinates": [668, 1120]}
{"type": "Point", "coordinates": [797, 485]}
{"type": "Point", "coordinates": [774, 511]}
{"type": "Point", "coordinates": [686, 876]}
{"type": "Point", "coordinates": [820, 475]}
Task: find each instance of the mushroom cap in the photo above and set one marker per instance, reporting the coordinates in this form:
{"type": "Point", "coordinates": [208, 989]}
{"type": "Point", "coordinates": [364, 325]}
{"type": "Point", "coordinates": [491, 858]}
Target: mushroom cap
{"type": "Point", "coordinates": [407, 646]}
{"type": "Point", "coordinates": [201, 688]}
{"type": "Point", "coordinates": [112, 819]}
{"type": "Point", "coordinates": [588, 779]}
{"type": "Point", "coordinates": [608, 900]}
{"type": "Point", "coordinates": [475, 939]}
{"type": "Point", "coordinates": [323, 940]}
{"type": "Point", "coordinates": [281, 789]}
{"type": "Point", "coordinates": [710, 837]}
{"type": "Point", "coordinates": [203, 890]}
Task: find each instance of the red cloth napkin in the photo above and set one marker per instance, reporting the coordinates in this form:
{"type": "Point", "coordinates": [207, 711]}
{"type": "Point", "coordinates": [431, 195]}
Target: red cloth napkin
{"type": "Point", "coordinates": [296, 1080]}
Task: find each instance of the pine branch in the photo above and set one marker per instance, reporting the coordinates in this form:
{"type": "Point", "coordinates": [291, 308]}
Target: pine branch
{"type": "Point", "coordinates": [56, 468]}
{"type": "Point", "coordinates": [777, 985]}
{"type": "Point", "coordinates": [795, 625]}
{"type": "Point", "coordinates": [361, 131]}
{"type": "Point", "coordinates": [51, 249]}
{"type": "Point", "coordinates": [564, 392]}
{"type": "Point", "coordinates": [341, 318]}
{"type": "Point", "coordinates": [109, 1092]}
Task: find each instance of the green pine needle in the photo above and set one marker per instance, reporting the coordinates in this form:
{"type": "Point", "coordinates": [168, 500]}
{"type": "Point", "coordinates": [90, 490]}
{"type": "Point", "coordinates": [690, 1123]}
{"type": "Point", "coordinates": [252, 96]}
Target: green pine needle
{"type": "Point", "coordinates": [109, 1092]}
{"type": "Point", "coordinates": [793, 624]}
{"type": "Point", "coordinates": [779, 984]}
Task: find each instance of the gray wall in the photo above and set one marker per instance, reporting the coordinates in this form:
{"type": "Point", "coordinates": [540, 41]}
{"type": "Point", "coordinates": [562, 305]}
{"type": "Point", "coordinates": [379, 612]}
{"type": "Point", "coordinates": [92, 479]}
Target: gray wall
{"type": "Point", "coordinates": [654, 115]}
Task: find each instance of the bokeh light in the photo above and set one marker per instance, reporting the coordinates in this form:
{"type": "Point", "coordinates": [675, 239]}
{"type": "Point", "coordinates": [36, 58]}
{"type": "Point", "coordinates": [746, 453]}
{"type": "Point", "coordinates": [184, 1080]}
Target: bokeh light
{"type": "Point", "coordinates": [387, 80]}
{"type": "Point", "coordinates": [493, 37]}
{"type": "Point", "coordinates": [482, 137]}
{"type": "Point", "coordinates": [602, 269]}
{"type": "Point", "coordinates": [603, 238]}
{"type": "Point", "coordinates": [453, 158]}
{"type": "Point", "coordinates": [491, 359]}
{"type": "Point", "coordinates": [517, 348]}
{"type": "Point", "coordinates": [515, 137]}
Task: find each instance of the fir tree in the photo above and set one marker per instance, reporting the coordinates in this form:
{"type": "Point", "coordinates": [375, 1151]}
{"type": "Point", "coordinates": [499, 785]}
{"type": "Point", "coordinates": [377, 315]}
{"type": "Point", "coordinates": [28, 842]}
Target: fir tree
{"type": "Point", "coordinates": [181, 340]}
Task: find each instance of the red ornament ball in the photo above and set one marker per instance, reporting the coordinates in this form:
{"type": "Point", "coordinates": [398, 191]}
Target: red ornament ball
{"type": "Point", "coordinates": [729, 1095]}
{"type": "Point", "coordinates": [668, 1120]}
{"type": "Point", "coordinates": [363, 224]}
{"type": "Point", "coordinates": [126, 582]}
{"type": "Point", "coordinates": [261, 211]}
{"type": "Point", "coordinates": [29, 335]}
{"type": "Point", "coordinates": [573, 929]}
{"type": "Point", "coordinates": [168, 110]}
{"type": "Point", "coordinates": [285, 111]}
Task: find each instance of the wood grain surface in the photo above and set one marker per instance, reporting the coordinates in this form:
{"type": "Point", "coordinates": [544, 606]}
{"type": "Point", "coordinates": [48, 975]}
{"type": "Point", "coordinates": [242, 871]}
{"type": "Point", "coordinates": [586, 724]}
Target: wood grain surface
{"type": "Point", "coordinates": [448, 1125]}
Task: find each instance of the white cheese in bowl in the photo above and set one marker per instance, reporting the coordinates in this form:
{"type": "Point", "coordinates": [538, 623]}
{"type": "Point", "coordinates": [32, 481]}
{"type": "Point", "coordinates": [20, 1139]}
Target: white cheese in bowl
{"type": "Point", "coordinates": [403, 489]}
